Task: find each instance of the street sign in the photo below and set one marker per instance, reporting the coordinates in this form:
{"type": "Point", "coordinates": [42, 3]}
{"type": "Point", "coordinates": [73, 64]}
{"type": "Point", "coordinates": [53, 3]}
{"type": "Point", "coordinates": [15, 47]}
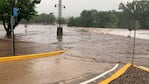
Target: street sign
{"type": "Point", "coordinates": [15, 13]}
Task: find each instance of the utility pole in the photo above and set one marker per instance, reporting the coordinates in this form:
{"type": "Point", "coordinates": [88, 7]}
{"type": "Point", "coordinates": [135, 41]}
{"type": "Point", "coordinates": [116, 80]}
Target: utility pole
{"type": "Point", "coordinates": [134, 39]}
{"type": "Point", "coordinates": [60, 28]}
{"type": "Point", "coordinates": [12, 29]}
{"type": "Point", "coordinates": [15, 14]}
{"type": "Point", "coordinates": [59, 13]}
{"type": "Point", "coordinates": [134, 46]}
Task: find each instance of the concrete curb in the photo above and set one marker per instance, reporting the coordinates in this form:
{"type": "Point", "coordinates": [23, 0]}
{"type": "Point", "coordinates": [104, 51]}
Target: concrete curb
{"type": "Point", "coordinates": [121, 72]}
{"type": "Point", "coordinates": [101, 75]}
{"type": "Point", "coordinates": [116, 75]}
{"type": "Point", "coordinates": [142, 68]}
{"type": "Point", "coordinates": [21, 57]}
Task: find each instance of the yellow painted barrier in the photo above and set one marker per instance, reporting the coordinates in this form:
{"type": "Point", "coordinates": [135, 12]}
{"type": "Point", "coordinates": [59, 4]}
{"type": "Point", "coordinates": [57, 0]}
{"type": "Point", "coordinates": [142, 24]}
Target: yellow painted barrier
{"type": "Point", "coordinates": [21, 57]}
{"type": "Point", "coordinates": [140, 67]}
{"type": "Point", "coordinates": [116, 75]}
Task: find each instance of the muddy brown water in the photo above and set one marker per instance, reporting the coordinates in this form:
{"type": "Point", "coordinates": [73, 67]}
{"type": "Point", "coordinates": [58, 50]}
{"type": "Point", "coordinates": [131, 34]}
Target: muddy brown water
{"type": "Point", "coordinates": [90, 48]}
{"type": "Point", "coordinates": [100, 45]}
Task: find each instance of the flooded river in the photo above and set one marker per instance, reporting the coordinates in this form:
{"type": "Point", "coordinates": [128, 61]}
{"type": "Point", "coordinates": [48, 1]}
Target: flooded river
{"type": "Point", "coordinates": [94, 43]}
{"type": "Point", "coordinates": [82, 42]}
{"type": "Point", "coordinates": [88, 50]}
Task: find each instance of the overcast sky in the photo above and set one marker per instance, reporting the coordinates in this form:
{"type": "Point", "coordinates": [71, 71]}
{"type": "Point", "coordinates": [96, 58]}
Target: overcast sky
{"type": "Point", "coordinates": [74, 7]}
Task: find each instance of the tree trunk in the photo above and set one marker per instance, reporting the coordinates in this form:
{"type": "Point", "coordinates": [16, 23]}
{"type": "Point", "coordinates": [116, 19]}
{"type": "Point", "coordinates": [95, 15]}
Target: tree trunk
{"type": "Point", "coordinates": [8, 29]}
{"type": "Point", "coordinates": [7, 26]}
{"type": "Point", "coordinates": [8, 33]}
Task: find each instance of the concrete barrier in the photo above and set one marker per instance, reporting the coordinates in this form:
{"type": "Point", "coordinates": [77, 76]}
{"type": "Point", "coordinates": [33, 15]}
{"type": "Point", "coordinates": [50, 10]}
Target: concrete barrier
{"type": "Point", "coordinates": [21, 57]}
{"type": "Point", "coordinates": [121, 72]}
{"type": "Point", "coordinates": [116, 75]}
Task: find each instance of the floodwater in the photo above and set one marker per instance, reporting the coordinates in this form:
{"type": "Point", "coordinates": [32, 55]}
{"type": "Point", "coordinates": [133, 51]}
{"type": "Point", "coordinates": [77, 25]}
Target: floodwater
{"type": "Point", "coordinates": [104, 44]}
{"type": "Point", "coordinates": [142, 34]}
{"type": "Point", "coordinates": [58, 69]}
{"type": "Point", "coordinates": [90, 52]}
{"type": "Point", "coordinates": [49, 70]}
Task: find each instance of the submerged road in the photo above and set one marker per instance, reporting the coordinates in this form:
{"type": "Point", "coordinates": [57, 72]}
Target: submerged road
{"type": "Point", "coordinates": [91, 52]}
{"type": "Point", "coordinates": [49, 70]}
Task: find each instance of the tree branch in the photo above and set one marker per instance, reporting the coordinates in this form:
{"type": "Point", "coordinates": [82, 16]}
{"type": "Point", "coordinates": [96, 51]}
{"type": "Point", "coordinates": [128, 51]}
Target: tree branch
{"type": "Point", "coordinates": [3, 19]}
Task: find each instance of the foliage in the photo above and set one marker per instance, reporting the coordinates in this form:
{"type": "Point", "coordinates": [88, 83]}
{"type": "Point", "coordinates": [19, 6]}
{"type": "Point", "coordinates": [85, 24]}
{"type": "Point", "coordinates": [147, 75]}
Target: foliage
{"type": "Point", "coordinates": [136, 11]}
{"type": "Point", "coordinates": [134, 14]}
{"type": "Point", "coordinates": [25, 8]}
{"type": "Point", "coordinates": [61, 21]}
{"type": "Point", "coordinates": [71, 21]}
{"type": "Point", "coordinates": [106, 19]}
{"type": "Point", "coordinates": [88, 18]}
{"type": "Point", "coordinates": [93, 18]}
{"type": "Point", "coordinates": [43, 19]}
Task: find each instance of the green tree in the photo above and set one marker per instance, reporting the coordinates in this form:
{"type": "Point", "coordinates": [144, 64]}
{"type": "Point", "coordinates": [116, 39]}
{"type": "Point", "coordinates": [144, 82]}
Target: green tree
{"type": "Point", "coordinates": [44, 19]}
{"type": "Point", "coordinates": [93, 18]}
{"type": "Point", "coordinates": [71, 21]}
{"type": "Point", "coordinates": [136, 11]}
{"type": "Point", "coordinates": [61, 21]}
{"type": "Point", "coordinates": [52, 18]}
{"type": "Point", "coordinates": [106, 19]}
{"type": "Point", "coordinates": [25, 8]}
{"type": "Point", "coordinates": [88, 17]}
{"type": "Point", "coordinates": [122, 20]}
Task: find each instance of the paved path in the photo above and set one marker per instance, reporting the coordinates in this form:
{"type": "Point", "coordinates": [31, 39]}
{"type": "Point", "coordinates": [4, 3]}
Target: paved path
{"type": "Point", "coordinates": [49, 70]}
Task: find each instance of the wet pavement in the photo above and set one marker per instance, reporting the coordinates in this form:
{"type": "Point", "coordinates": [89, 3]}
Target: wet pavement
{"type": "Point", "coordinates": [48, 70]}
{"type": "Point", "coordinates": [91, 51]}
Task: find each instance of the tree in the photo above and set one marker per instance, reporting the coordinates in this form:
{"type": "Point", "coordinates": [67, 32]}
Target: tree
{"type": "Point", "coordinates": [42, 19]}
{"type": "Point", "coordinates": [88, 17]}
{"type": "Point", "coordinates": [25, 9]}
{"type": "Point", "coordinates": [52, 18]}
{"type": "Point", "coordinates": [94, 18]}
{"type": "Point", "coordinates": [136, 11]}
{"type": "Point", "coordinates": [71, 21]}
{"type": "Point", "coordinates": [106, 19]}
{"type": "Point", "coordinates": [61, 21]}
